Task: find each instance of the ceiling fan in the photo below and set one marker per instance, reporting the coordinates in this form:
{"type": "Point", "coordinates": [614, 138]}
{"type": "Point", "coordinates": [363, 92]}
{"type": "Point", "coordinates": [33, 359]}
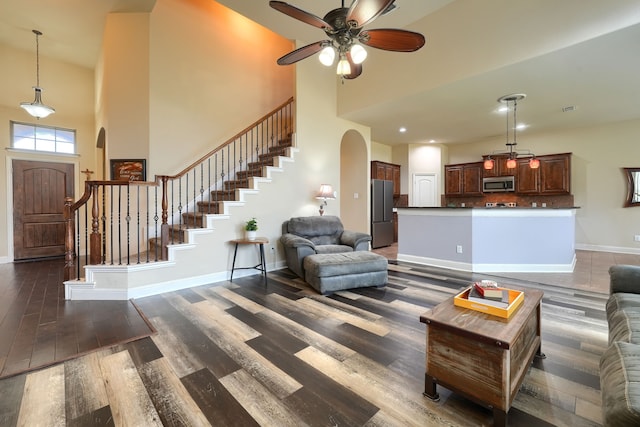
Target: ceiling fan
{"type": "Point", "coordinates": [344, 27]}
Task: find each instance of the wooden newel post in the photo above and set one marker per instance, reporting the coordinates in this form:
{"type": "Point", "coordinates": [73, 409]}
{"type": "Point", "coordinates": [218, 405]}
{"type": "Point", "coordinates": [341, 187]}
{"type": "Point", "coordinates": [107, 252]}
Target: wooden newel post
{"type": "Point", "coordinates": [164, 227]}
{"type": "Point", "coordinates": [68, 239]}
{"type": "Point", "coordinates": [95, 254]}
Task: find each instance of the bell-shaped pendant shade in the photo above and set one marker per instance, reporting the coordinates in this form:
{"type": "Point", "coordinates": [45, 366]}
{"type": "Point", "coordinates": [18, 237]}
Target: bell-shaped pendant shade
{"type": "Point", "coordinates": [344, 68]}
{"type": "Point", "coordinates": [488, 164]}
{"type": "Point", "coordinates": [36, 108]}
{"type": "Point", "coordinates": [327, 56]}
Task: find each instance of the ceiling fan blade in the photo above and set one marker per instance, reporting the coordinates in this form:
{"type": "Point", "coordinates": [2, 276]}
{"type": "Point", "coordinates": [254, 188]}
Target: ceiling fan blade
{"type": "Point", "coordinates": [365, 11]}
{"type": "Point", "coordinates": [356, 69]}
{"type": "Point", "coordinates": [303, 52]}
{"type": "Point", "coordinates": [392, 39]}
{"type": "Point", "coordinates": [300, 14]}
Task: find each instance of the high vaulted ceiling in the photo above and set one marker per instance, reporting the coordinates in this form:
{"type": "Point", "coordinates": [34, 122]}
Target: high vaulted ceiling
{"type": "Point", "coordinates": [561, 53]}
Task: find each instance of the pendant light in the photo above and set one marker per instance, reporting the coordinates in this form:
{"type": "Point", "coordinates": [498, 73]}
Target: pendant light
{"type": "Point", "coordinates": [36, 108]}
{"type": "Point", "coordinates": [511, 154]}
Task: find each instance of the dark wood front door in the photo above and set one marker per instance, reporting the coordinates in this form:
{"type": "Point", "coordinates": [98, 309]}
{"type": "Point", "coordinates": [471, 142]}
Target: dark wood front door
{"type": "Point", "coordinates": [39, 189]}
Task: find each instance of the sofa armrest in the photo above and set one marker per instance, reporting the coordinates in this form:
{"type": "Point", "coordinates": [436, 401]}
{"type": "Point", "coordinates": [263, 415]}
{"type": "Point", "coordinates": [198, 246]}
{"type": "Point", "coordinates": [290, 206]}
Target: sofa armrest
{"type": "Point", "coordinates": [624, 278]}
{"type": "Point", "coordinates": [355, 239]}
{"type": "Point", "coordinates": [293, 241]}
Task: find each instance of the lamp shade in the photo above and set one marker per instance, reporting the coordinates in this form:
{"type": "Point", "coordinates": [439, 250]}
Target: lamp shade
{"type": "Point", "coordinates": [325, 192]}
{"type": "Point", "coordinates": [327, 56]}
{"type": "Point", "coordinates": [358, 54]}
{"type": "Point", "coordinates": [488, 164]}
{"type": "Point", "coordinates": [534, 163]}
{"type": "Point", "coordinates": [511, 163]}
{"type": "Point", "coordinates": [36, 108]}
{"type": "Point", "coordinates": [344, 68]}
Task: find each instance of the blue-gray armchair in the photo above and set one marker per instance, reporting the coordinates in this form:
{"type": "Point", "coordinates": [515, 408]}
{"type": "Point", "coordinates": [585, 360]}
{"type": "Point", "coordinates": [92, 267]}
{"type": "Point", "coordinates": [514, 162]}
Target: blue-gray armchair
{"type": "Point", "coordinates": [303, 236]}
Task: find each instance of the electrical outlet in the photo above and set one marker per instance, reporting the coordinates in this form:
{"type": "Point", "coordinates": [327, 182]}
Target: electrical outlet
{"type": "Point", "coordinates": [636, 238]}
{"type": "Point", "coordinates": [459, 249]}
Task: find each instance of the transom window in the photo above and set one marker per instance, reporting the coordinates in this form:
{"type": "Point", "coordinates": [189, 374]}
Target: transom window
{"type": "Point", "coordinates": [25, 136]}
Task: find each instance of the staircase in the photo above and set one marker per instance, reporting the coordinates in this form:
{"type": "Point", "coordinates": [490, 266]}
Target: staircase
{"type": "Point", "coordinates": [128, 238]}
{"type": "Point", "coordinates": [232, 192]}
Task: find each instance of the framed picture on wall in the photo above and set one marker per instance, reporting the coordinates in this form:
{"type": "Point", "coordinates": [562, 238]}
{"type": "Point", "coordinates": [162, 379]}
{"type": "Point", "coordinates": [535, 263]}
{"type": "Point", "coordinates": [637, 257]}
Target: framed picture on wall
{"type": "Point", "coordinates": [129, 169]}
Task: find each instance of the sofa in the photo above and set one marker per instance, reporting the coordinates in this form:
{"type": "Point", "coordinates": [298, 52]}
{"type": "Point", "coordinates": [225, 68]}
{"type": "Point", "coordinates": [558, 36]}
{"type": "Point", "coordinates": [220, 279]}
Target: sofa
{"type": "Point", "coordinates": [304, 236]}
{"type": "Point", "coordinates": [620, 363]}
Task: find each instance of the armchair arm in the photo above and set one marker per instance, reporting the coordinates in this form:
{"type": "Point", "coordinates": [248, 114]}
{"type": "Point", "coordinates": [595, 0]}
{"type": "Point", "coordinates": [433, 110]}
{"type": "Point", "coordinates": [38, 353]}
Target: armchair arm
{"type": "Point", "coordinates": [355, 239]}
{"type": "Point", "coordinates": [293, 241]}
{"type": "Point", "coordinates": [624, 278]}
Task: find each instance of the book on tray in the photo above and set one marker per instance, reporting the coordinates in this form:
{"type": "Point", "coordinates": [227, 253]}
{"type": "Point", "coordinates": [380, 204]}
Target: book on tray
{"type": "Point", "coordinates": [490, 295]}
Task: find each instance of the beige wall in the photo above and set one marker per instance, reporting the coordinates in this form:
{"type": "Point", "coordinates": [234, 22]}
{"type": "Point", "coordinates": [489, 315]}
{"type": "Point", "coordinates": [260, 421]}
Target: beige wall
{"type": "Point", "coordinates": [381, 152]}
{"type": "Point", "coordinates": [124, 96]}
{"type": "Point", "coordinates": [319, 135]}
{"type": "Point", "coordinates": [212, 73]}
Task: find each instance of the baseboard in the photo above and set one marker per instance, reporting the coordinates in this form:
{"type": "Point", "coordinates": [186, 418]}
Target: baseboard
{"type": "Point", "coordinates": [81, 290]}
{"type": "Point", "coordinates": [602, 248]}
{"type": "Point", "coordinates": [490, 268]}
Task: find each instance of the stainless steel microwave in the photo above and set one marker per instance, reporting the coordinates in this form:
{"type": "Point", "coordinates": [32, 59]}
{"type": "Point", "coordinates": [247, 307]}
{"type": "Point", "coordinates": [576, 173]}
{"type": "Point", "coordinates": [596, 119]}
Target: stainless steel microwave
{"type": "Point", "coordinates": [498, 184]}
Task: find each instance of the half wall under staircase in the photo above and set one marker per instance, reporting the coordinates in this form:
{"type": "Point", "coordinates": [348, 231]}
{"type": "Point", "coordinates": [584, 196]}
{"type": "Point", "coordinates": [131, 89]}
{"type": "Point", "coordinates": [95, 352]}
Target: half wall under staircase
{"type": "Point", "coordinates": [130, 239]}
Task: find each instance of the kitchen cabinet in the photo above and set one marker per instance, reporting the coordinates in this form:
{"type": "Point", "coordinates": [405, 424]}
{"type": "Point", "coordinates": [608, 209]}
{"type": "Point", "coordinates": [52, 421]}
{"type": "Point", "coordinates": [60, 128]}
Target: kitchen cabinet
{"type": "Point", "coordinates": [552, 177]}
{"type": "Point", "coordinates": [388, 171]}
{"type": "Point", "coordinates": [527, 179]}
{"type": "Point", "coordinates": [555, 174]}
{"type": "Point", "coordinates": [463, 179]}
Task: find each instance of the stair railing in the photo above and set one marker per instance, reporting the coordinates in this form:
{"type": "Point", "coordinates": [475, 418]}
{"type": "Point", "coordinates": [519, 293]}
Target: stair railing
{"type": "Point", "coordinates": [134, 222]}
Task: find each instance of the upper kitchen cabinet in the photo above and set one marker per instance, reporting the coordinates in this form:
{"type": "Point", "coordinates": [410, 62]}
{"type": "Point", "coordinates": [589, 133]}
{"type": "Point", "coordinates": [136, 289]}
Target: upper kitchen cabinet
{"type": "Point", "coordinates": [388, 171]}
{"type": "Point", "coordinates": [552, 177]}
{"type": "Point", "coordinates": [463, 179]}
{"type": "Point", "coordinates": [555, 174]}
{"type": "Point", "coordinates": [527, 179]}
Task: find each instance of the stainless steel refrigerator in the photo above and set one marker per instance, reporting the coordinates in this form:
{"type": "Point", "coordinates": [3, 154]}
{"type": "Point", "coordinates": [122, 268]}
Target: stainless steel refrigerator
{"type": "Point", "coordinates": [381, 213]}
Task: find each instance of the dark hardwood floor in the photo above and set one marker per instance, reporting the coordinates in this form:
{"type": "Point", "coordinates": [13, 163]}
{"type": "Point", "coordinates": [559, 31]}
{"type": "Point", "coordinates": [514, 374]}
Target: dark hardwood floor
{"type": "Point", "coordinates": [39, 328]}
{"type": "Point", "coordinates": [244, 353]}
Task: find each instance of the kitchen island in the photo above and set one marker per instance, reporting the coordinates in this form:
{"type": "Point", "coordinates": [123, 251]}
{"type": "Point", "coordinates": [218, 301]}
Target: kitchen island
{"type": "Point", "coordinates": [489, 239]}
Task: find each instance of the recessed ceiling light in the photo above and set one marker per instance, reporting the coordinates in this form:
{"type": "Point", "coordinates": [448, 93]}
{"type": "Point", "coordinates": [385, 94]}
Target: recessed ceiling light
{"type": "Point", "coordinates": [402, 129]}
{"type": "Point", "coordinates": [432, 141]}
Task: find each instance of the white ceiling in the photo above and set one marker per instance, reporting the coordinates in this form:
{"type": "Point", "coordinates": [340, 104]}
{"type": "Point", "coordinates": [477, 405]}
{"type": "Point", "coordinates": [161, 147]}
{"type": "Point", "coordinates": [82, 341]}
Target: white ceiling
{"type": "Point", "coordinates": [598, 73]}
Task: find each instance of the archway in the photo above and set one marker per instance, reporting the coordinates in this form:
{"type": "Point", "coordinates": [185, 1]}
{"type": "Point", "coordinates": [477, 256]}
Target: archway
{"type": "Point", "coordinates": [354, 182]}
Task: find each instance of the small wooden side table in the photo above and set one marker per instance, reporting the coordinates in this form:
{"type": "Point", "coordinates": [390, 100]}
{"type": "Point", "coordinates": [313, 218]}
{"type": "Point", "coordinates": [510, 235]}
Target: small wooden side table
{"type": "Point", "coordinates": [262, 266]}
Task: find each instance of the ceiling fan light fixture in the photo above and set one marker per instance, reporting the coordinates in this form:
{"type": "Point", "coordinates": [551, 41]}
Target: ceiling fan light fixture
{"type": "Point", "coordinates": [327, 56]}
{"type": "Point", "coordinates": [358, 54]}
{"type": "Point", "coordinates": [344, 68]}
{"type": "Point", "coordinates": [344, 27]}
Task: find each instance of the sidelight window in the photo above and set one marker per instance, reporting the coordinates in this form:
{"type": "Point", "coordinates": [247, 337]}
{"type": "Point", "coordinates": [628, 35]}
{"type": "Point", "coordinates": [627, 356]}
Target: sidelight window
{"type": "Point", "coordinates": [25, 136]}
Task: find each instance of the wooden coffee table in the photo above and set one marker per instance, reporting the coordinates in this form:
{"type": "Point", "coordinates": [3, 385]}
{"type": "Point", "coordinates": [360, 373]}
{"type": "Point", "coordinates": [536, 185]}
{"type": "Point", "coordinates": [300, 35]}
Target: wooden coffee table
{"type": "Point", "coordinates": [480, 356]}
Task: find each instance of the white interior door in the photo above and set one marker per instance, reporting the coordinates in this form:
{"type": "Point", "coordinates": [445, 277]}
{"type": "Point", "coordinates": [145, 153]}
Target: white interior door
{"type": "Point", "coordinates": [425, 190]}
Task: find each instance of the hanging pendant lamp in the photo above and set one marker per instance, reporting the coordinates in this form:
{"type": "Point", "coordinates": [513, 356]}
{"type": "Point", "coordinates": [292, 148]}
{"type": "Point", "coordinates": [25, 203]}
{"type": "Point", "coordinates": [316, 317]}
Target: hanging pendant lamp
{"type": "Point", "coordinates": [36, 108]}
{"type": "Point", "coordinates": [511, 153]}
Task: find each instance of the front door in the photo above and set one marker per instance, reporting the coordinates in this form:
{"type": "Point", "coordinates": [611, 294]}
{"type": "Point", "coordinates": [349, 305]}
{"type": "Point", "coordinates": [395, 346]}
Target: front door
{"type": "Point", "coordinates": [39, 190]}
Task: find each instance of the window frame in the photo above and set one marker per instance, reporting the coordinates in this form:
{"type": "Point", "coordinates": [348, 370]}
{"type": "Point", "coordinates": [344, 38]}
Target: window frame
{"type": "Point", "coordinates": [35, 127]}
